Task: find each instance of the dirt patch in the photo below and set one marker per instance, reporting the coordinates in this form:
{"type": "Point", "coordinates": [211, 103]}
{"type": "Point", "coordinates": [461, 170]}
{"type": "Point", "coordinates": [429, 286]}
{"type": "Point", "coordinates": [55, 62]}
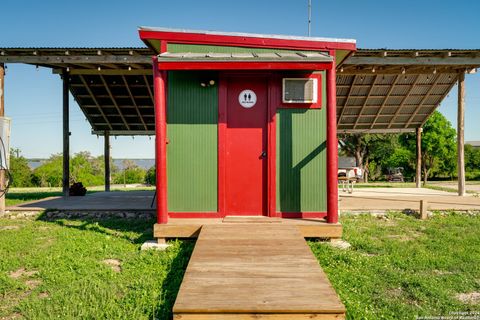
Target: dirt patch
{"type": "Point", "coordinates": [441, 272]}
{"type": "Point", "coordinates": [22, 272]}
{"type": "Point", "coordinates": [12, 316]}
{"type": "Point", "coordinates": [404, 237]}
{"type": "Point", "coordinates": [394, 292]}
{"type": "Point", "coordinates": [43, 295]}
{"type": "Point", "coordinates": [115, 264]}
{"type": "Point", "coordinates": [2, 228]}
{"type": "Point", "coordinates": [32, 284]}
{"type": "Point", "coordinates": [469, 298]}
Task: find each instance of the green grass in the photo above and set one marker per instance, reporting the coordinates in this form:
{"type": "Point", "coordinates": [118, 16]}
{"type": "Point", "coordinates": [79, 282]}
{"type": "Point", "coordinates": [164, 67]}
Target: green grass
{"type": "Point", "coordinates": [66, 277]}
{"type": "Point", "coordinates": [396, 269]}
{"type": "Point", "coordinates": [403, 267]}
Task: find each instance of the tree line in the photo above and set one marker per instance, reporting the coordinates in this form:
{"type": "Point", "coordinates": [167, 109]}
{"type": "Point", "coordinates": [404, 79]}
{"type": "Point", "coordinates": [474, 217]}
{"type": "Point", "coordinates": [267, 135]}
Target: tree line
{"type": "Point", "coordinates": [376, 153]}
{"type": "Point", "coordinates": [84, 168]}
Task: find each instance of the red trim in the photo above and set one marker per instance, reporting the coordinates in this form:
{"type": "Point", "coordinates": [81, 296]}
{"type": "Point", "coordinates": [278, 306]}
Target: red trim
{"type": "Point", "coordinates": [190, 215]}
{"type": "Point", "coordinates": [273, 102]}
{"type": "Point", "coordinates": [317, 105]}
{"type": "Point", "coordinates": [161, 143]}
{"type": "Point", "coordinates": [199, 65]}
{"type": "Point", "coordinates": [301, 215]}
{"type": "Point", "coordinates": [222, 129]}
{"type": "Point", "coordinates": [243, 41]}
{"type": "Point", "coordinates": [332, 147]}
{"type": "Point", "coordinates": [163, 46]}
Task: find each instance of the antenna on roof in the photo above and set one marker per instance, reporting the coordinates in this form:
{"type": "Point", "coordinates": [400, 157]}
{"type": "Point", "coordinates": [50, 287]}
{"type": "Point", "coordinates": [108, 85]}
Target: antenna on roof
{"type": "Point", "coordinates": [309, 16]}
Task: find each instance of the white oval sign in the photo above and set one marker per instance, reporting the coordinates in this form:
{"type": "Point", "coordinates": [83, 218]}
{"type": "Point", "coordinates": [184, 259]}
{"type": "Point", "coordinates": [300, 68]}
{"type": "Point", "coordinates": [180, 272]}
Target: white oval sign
{"type": "Point", "coordinates": [247, 98]}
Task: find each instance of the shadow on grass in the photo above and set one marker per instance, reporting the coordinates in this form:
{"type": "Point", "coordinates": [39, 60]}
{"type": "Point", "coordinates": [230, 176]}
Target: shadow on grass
{"type": "Point", "coordinates": [137, 231]}
{"type": "Point", "coordinates": [174, 279]}
{"type": "Point", "coordinates": [134, 230]}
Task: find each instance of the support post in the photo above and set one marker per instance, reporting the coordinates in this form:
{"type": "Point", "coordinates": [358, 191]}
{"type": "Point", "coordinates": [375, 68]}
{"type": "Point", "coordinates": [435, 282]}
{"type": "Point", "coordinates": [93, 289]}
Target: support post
{"type": "Point", "coordinates": [66, 134]}
{"type": "Point", "coordinates": [332, 146]}
{"type": "Point", "coordinates": [106, 155]}
{"type": "Point", "coordinates": [160, 142]}
{"type": "Point", "coordinates": [418, 168]}
{"type": "Point", "coordinates": [2, 114]}
{"type": "Point", "coordinates": [460, 134]}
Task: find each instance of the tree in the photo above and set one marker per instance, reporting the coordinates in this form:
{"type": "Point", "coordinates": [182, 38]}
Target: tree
{"type": "Point", "coordinates": [438, 146]}
{"type": "Point", "coordinates": [369, 150]}
{"type": "Point", "coordinates": [50, 173]}
{"type": "Point", "coordinates": [131, 173]}
{"type": "Point", "coordinates": [150, 176]}
{"type": "Point", "coordinates": [86, 169]}
{"type": "Point", "coordinates": [19, 169]}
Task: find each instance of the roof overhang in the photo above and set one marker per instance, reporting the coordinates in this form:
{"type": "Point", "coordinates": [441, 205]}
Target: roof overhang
{"type": "Point", "coordinates": [245, 61]}
{"type": "Point", "coordinates": [378, 90]}
{"type": "Point", "coordinates": [159, 38]}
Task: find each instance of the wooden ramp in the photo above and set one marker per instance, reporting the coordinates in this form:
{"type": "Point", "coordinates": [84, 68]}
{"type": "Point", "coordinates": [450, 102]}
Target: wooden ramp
{"type": "Point", "coordinates": [255, 271]}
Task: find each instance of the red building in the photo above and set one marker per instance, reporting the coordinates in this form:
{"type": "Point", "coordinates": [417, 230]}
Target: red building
{"type": "Point", "coordinates": [245, 124]}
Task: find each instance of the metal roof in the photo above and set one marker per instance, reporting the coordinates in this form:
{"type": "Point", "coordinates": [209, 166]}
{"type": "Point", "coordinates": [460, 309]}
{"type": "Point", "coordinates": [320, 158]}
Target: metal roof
{"type": "Point", "coordinates": [246, 57]}
{"type": "Point", "coordinates": [249, 35]}
{"type": "Point", "coordinates": [378, 90]}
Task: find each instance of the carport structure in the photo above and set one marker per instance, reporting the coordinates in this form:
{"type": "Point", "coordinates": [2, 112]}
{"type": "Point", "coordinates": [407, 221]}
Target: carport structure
{"type": "Point", "coordinates": [378, 90]}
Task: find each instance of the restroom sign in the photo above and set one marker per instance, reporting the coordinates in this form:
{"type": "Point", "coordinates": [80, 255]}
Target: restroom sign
{"type": "Point", "coordinates": [247, 98]}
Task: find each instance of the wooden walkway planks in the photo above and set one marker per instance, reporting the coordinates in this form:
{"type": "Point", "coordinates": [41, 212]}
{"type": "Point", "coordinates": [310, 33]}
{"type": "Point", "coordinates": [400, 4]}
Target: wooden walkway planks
{"type": "Point", "coordinates": [255, 271]}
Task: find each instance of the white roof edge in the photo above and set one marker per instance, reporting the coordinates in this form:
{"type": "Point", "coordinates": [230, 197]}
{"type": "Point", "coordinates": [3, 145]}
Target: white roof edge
{"type": "Point", "coordinates": [253, 35]}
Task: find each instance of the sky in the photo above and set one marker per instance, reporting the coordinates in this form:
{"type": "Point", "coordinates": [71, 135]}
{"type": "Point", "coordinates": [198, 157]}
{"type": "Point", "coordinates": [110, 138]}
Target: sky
{"type": "Point", "coordinates": [33, 97]}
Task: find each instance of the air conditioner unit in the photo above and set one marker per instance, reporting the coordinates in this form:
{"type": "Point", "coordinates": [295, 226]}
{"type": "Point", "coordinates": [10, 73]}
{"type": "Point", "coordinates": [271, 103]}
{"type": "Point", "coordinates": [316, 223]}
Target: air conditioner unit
{"type": "Point", "coordinates": [300, 90]}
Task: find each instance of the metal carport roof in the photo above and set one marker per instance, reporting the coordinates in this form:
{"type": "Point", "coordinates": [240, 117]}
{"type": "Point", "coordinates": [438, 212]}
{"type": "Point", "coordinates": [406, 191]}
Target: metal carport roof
{"type": "Point", "coordinates": [378, 90]}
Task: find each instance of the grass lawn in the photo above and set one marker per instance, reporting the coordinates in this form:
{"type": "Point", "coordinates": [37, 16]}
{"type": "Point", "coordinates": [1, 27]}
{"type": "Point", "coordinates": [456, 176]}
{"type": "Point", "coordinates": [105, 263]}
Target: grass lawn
{"type": "Point", "coordinates": [403, 267]}
{"type": "Point", "coordinates": [86, 270]}
{"type": "Point", "coordinates": [70, 269]}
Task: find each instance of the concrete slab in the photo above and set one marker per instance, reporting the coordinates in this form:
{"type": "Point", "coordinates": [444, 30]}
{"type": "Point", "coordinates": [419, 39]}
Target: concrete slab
{"type": "Point", "coordinates": [108, 201]}
{"type": "Point", "coordinates": [405, 198]}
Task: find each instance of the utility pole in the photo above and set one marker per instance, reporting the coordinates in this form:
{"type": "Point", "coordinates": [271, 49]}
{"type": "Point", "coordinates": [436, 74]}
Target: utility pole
{"type": "Point", "coordinates": [2, 114]}
{"type": "Point", "coordinates": [309, 17]}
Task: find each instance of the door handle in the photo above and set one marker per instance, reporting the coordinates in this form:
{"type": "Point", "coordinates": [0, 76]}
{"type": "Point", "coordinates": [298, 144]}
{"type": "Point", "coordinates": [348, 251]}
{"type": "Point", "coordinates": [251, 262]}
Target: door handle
{"type": "Point", "coordinates": [263, 155]}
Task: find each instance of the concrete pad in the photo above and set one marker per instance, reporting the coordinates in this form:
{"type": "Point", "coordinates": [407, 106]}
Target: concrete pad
{"type": "Point", "coordinates": [368, 199]}
{"type": "Point", "coordinates": [114, 200]}
{"type": "Point", "coordinates": [154, 245]}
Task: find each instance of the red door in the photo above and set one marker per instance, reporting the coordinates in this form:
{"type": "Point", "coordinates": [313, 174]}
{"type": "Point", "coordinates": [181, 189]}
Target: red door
{"type": "Point", "coordinates": [246, 147]}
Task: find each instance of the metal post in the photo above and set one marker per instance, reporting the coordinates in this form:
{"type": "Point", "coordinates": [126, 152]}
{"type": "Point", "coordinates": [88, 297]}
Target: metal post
{"type": "Point", "coordinates": [332, 146]}
{"type": "Point", "coordinates": [160, 142]}
{"type": "Point", "coordinates": [106, 154]}
{"type": "Point", "coordinates": [309, 17]}
{"type": "Point", "coordinates": [2, 114]}
{"type": "Point", "coordinates": [66, 134]}
{"type": "Point", "coordinates": [418, 169]}
{"type": "Point", "coordinates": [460, 134]}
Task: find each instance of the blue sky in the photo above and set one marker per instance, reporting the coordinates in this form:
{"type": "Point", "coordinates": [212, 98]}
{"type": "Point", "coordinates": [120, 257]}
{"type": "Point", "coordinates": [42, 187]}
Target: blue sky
{"type": "Point", "coordinates": [33, 96]}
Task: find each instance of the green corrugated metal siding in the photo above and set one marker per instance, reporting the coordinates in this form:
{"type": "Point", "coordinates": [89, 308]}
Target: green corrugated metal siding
{"type": "Point", "coordinates": [177, 47]}
{"type": "Point", "coordinates": [301, 160]}
{"type": "Point", "coordinates": [192, 118]}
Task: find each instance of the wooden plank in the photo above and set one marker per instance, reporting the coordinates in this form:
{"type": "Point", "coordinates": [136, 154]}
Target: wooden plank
{"type": "Point", "coordinates": [257, 316]}
{"type": "Point", "coordinates": [134, 102]}
{"type": "Point", "coordinates": [419, 61]}
{"type": "Point", "coordinates": [190, 228]}
{"type": "Point", "coordinates": [112, 98]}
{"type": "Point", "coordinates": [365, 102]}
{"type": "Point", "coordinates": [251, 271]}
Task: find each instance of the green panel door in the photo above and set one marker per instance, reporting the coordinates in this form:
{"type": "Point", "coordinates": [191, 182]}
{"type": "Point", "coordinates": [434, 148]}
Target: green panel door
{"type": "Point", "coordinates": [192, 117]}
{"type": "Point", "coordinates": [301, 160]}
